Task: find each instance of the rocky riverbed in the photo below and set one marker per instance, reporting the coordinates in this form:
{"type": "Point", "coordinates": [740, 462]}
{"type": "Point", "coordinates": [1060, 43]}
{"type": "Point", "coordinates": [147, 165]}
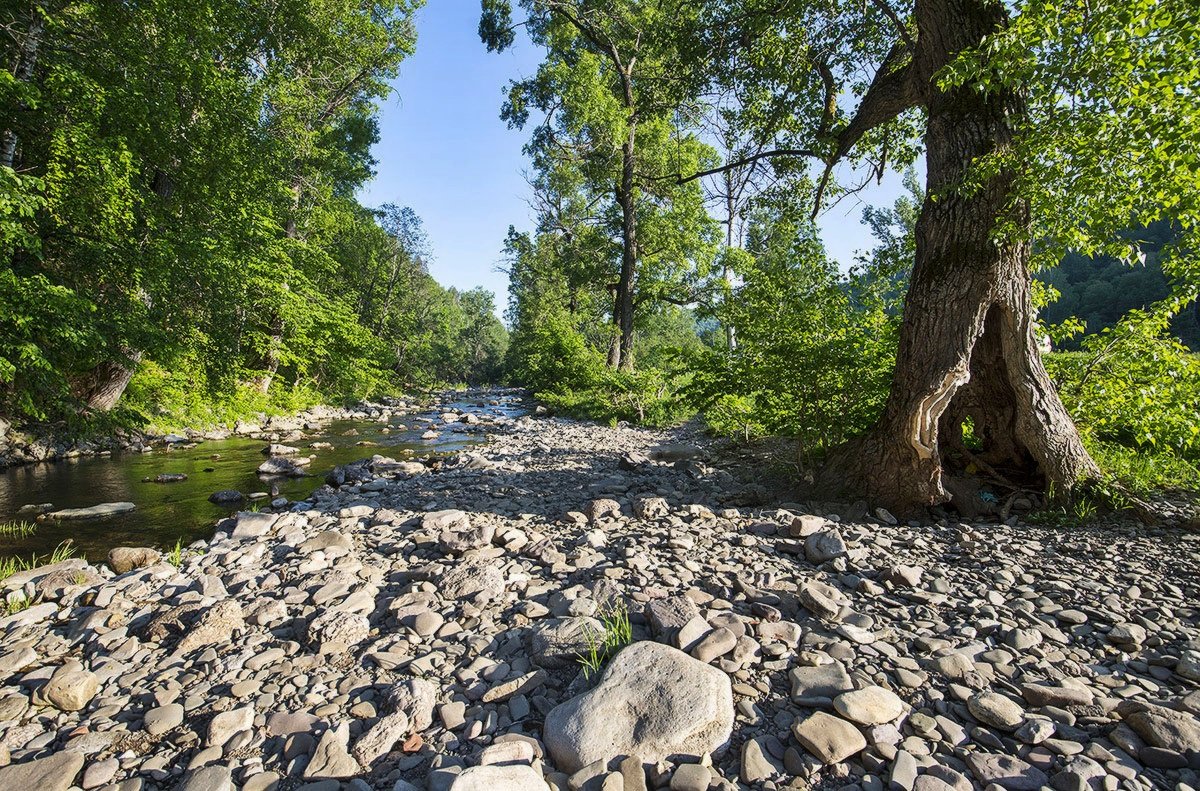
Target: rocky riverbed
{"type": "Point", "coordinates": [419, 627]}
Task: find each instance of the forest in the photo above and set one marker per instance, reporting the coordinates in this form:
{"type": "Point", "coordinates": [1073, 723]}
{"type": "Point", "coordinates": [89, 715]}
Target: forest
{"type": "Point", "coordinates": [183, 240]}
{"type": "Point", "coordinates": [179, 226]}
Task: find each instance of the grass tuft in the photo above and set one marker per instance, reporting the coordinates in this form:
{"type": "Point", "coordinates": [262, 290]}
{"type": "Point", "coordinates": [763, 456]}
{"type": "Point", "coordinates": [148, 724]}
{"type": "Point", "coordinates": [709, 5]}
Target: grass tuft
{"type": "Point", "coordinates": [18, 529]}
{"type": "Point", "coordinates": [10, 566]}
{"type": "Point", "coordinates": [617, 633]}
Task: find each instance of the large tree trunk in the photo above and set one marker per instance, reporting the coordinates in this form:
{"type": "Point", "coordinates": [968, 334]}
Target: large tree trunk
{"type": "Point", "coordinates": [101, 388]}
{"type": "Point", "coordinates": [967, 346]}
{"type": "Point", "coordinates": [620, 353]}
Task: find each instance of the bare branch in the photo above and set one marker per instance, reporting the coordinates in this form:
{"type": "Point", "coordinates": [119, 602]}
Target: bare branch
{"type": "Point", "coordinates": [779, 152]}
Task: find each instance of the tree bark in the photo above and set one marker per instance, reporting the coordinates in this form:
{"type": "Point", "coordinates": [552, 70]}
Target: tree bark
{"type": "Point", "coordinates": [620, 354]}
{"type": "Point", "coordinates": [101, 388]}
{"type": "Point", "coordinates": [967, 345]}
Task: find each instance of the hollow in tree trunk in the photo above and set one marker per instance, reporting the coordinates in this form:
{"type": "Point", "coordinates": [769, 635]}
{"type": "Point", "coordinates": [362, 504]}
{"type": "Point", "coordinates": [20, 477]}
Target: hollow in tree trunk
{"type": "Point", "coordinates": [967, 345]}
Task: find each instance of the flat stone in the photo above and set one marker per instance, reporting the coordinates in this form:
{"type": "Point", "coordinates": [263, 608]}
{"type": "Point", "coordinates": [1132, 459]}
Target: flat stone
{"type": "Point", "coordinates": [819, 684]}
{"type": "Point", "coordinates": [252, 524]}
{"type": "Point", "coordinates": [1162, 727]}
{"type": "Point", "coordinates": [1046, 695]}
{"type": "Point", "coordinates": [717, 643]}
{"type": "Point", "coordinates": [518, 686]}
{"type": "Point", "coordinates": [820, 599]}
{"type": "Point", "coordinates": [330, 758]}
{"type": "Point", "coordinates": [996, 710]}
{"type": "Point", "coordinates": [869, 706]}
{"type": "Point", "coordinates": [827, 738]}
{"type": "Point", "coordinates": [162, 719]}
{"type": "Point", "coordinates": [100, 511]}
{"type": "Point", "coordinates": [1006, 771]}
{"type": "Point", "coordinates": [53, 773]}
{"type": "Point", "coordinates": [208, 778]}
{"type": "Point", "coordinates": [227, 724]}
{"type": "Point", "coordinates": [652, 701]}
{"type": "Point", "coordinates": [691, 777]}
{"type": "Point", "coordinates": [472, 581]}
{"type": "Point", "coordinates": [495, 778]}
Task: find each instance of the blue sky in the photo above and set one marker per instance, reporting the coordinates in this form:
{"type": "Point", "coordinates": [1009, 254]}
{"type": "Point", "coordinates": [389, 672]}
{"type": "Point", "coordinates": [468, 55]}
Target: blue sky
{"type": "Point", "coordinates": [445, 152]}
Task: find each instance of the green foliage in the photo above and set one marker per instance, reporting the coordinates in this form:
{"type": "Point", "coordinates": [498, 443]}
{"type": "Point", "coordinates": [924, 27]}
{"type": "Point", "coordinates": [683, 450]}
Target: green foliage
{"type": "Point", "coordinates": [181, 202]}
{"type": "Point", "coordinates": [1134, 385]}
{"type": "Point", "coordinates": [1114, 123]}
{"type": "Point", "coordinates": [814, 352]}
{"type": "Point", "coordinates": [617, 633]}
{"type": "Point", "coordinates": [175, 554]}
{"type": "Point", "coordinates": [44, 330]}
{"type": "Point", "coordinates": [18, 529]}
{"type": "Point", "coordinates": [1100, 290]}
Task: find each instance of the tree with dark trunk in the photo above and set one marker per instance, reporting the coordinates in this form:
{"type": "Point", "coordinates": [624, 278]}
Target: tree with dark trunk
{"type": "Point", "coordinates": [967, 355]}
{"type": "Point", "coordinates": [967, 346]}
{"type": "Point", "coordinates": [608, 115]}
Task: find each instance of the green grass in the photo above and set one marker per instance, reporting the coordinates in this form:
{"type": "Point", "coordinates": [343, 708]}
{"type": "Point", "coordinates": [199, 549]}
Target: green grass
{"type": "Point", "coordinates": [18, 529]}
{"type": "Point", "coordinates": [10, 566]}
{"type": "Point", "coordinates": [15, 605]}
{"type": "Point", "coordinates": [1129, 477]}
{"type": "Point", "coordinates": [617, 633]}
{"type": "Point", "coordinates": [175, 555]}
{"type": "Point", "coordinates": [1144, 471]}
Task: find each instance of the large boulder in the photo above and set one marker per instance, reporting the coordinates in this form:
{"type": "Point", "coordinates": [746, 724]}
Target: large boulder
{"type": "Point", "coordinates": [652, 701]}
{"type": "Point", "coordinates": [124, 559]}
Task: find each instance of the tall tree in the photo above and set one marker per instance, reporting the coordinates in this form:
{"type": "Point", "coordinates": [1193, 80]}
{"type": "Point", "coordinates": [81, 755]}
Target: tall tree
{"type": "Point", "coordinates": [607, 91]}
{"type": "Point", "coordinates": [1013, 105]}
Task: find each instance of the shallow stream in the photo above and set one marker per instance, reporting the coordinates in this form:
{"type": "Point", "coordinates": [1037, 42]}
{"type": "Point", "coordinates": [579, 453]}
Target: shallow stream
{"type": "Point", "coordinates": [168, 512]}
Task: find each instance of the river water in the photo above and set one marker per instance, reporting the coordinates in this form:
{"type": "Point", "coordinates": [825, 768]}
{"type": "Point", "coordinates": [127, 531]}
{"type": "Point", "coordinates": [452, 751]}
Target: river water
{"type": "Point", "coordinates": [168, 512]}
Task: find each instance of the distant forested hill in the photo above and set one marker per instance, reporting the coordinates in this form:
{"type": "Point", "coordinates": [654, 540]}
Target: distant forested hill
{"type": "Point", "coordinates": [1101, 291]}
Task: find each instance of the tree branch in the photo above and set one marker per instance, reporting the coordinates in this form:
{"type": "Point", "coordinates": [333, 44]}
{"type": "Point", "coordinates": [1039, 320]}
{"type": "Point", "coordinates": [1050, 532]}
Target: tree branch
{"type": "Point", "coordinates": [891, 14]}
{"type": "Point", "coordinates": [779, 152]}
{"type": "Point", "coordinates": [893, 91]}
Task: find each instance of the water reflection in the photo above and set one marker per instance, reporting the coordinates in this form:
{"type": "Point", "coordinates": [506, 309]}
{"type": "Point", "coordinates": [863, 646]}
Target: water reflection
{"type": "Point", "coordinates": [168, 512]}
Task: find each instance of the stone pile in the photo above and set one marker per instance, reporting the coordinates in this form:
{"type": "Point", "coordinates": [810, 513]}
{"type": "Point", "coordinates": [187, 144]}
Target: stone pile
{"type": "Point", "coordinates": [458, 626]}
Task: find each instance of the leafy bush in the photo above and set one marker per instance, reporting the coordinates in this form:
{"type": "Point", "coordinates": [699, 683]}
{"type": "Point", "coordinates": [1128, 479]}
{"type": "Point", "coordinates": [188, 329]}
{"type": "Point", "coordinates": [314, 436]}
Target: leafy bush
{"type": "Point", "coordinates": [1134, 385]}
{"type": "Point", "coordinates": [651, 397]}
{"type": "Point", "coordinates": [812, 358]}
{"type": "Point", "coordinates": [44, 330]}
{"type": "Point", "coordinates": [1133, 391]}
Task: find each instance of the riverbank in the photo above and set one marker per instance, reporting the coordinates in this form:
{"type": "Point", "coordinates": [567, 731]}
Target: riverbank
{"type": "Point", "coordinates": [430, 626]}
{"type": "Point", "coordinates": [37, 442]}
{"type": "Point", "coordinates": [177, 491]}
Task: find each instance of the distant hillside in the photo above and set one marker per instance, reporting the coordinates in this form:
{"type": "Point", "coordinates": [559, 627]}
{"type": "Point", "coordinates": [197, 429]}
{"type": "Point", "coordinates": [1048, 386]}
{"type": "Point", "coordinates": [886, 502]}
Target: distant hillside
{"type": "Point", "coordinates": [1101, 291]}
